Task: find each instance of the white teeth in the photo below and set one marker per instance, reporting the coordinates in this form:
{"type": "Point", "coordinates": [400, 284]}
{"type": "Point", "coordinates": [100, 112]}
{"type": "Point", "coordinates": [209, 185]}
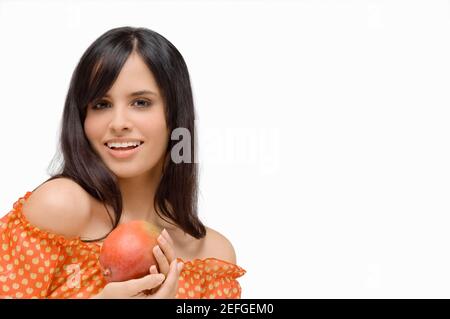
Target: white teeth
{"type": "Point", "coordinates": [126, 144]}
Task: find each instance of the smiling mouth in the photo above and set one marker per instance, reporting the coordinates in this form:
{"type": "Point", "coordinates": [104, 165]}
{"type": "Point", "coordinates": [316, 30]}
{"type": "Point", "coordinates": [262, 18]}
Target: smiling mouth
{"type": "Point", "coordinates": [123, 148]}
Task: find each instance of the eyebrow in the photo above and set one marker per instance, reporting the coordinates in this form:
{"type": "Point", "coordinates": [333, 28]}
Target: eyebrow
{"type": "Point", "coordinates": [138, 93]}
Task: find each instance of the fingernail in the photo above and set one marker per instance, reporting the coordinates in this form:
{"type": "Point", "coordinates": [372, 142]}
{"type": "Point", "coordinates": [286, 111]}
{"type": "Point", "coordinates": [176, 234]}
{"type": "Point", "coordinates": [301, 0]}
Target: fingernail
{"type": "Point", "coordinates": [161, 239]}
{"type": "Point", "coordinates": [180, 266]}
{"type": "Point", "coordinates": [161, 277]}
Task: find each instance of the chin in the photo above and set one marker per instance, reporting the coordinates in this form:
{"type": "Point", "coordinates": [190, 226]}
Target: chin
{"type": "Point", "coordinates": [125, 173]}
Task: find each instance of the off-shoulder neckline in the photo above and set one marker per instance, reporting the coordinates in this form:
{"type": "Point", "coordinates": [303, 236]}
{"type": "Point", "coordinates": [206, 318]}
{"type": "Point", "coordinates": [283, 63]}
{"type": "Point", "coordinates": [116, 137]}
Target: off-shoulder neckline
{"type": "Point", "coordinates": [204, 260]}
{"type": "Point", "coordinates": [209, 265]}
{"type": "Point", "coordinates": [17, 208]}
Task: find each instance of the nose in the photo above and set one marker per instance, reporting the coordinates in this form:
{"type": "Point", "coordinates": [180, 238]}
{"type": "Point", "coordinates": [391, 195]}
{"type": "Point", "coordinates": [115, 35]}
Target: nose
{"type": "Point", "coordinates": [120, 120]}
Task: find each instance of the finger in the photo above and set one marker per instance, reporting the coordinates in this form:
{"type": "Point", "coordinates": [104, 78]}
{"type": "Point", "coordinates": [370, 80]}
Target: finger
{"type": "Point", "coordinates": [166, 235]}
{"type": "Point", "coordinates": [135, 286]}
{"type": "Point", "coordinates": [163, 263]}
{"type": "Point", "coordinates": [153, 270]}
{"type": "Point", "coordinates": [170, 286]}
{"type": "Point", "coordinates": [166, 247]}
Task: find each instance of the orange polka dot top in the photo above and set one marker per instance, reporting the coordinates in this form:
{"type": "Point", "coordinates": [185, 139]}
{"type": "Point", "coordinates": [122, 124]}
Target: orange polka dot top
{"type": "Point", "coordinates": [38, 264]}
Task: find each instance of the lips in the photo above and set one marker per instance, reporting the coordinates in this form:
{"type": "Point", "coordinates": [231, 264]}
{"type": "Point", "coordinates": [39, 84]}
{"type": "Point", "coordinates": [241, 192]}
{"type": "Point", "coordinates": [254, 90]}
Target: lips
{"type": "Point", "coordinates": [125, 152]}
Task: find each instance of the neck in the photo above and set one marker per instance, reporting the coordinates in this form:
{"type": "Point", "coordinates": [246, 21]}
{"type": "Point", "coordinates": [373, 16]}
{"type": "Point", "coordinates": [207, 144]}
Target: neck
{"type": "Point", "coordinates": [138, 194]}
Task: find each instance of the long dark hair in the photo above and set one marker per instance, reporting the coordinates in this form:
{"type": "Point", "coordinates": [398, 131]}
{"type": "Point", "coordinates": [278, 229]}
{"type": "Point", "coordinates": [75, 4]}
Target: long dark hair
{"type": "Point", "coordinates": [96, 72]}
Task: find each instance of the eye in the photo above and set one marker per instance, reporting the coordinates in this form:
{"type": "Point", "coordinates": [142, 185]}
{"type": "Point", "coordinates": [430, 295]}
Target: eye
{"type": "Point", "coordinates": [98, 103]}
{"type": "Point", "coordinates": [146, 103]}
{"type": "Point", "coordinates": [101, 104]}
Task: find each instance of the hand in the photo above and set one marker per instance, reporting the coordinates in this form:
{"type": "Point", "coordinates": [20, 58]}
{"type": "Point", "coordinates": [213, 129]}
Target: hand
{"type": "Point", "coordinates": [131, 288]}
{"type": "Point", "coordinates": [155, 285]}
{"type": "Point", "coordinates": [164, 254]}
{"type": "Point", "coordinates": [169, 288]}
{"type": "Point", "coordinates": [136, 288]}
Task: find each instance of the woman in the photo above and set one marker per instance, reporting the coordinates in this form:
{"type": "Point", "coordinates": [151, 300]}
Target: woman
{"type": "Point", "coordinates": [129, 91]}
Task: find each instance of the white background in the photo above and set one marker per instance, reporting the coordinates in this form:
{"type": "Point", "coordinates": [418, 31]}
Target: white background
{"type": "Point", "coordinates": [324, 130]}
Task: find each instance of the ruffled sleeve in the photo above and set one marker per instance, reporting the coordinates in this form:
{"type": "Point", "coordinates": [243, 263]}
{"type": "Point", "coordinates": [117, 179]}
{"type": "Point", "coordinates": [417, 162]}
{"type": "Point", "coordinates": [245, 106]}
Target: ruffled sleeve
{"type": "Point", "coordinates": [39, 264]}
{"type": "Point", "coordinates": [209, 278]}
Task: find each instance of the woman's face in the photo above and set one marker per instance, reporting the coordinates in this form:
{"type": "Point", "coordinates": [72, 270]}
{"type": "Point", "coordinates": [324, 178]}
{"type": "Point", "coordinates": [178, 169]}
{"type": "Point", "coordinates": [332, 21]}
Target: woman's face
{"type": "Point", "coordinates": [120, 116]}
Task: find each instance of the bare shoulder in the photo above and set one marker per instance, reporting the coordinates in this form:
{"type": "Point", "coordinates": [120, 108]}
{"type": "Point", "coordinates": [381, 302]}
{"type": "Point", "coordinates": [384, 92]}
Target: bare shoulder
{"type": "Point", "coordinates": [60, 206]}
{"type": "Point", "coordinates": [218, 246]}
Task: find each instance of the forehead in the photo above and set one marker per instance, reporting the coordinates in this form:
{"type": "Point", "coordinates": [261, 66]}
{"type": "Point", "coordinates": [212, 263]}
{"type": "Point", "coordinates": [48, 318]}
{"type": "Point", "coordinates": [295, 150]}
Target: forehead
{"type": "Point", "coordinates": [134, 76]}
